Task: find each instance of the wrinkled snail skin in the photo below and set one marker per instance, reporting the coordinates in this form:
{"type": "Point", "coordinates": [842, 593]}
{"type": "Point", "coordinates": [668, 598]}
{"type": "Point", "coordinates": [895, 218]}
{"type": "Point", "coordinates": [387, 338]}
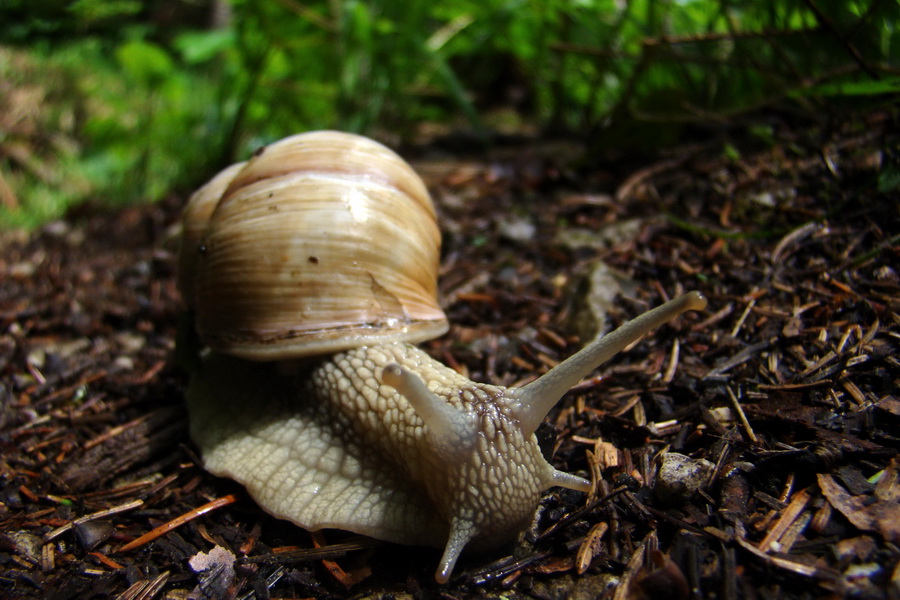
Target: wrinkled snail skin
{"type": "Point", "coordinates": [478, 486]}
{"type": "Point", "coordinates": [381, 439]}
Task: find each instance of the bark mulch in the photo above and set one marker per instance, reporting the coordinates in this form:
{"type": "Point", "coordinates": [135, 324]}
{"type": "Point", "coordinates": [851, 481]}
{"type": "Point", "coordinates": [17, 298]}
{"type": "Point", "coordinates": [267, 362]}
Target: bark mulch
{"type": "Point", "coordinates": [747, 451]}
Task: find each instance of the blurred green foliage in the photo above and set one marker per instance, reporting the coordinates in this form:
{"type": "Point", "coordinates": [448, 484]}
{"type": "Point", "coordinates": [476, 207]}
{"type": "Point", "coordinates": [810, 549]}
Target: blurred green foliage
{"type": "Point", "coordinates": [124, 100]}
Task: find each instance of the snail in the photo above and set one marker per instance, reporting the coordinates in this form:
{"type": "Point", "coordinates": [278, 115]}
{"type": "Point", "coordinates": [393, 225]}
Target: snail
{"type": "Point", "coordinates": [310, 271]}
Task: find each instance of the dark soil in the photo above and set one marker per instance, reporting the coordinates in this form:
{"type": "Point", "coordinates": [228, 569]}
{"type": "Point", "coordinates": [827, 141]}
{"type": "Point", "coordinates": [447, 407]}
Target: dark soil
{"type": "Point", "coordinates": [787, 385]}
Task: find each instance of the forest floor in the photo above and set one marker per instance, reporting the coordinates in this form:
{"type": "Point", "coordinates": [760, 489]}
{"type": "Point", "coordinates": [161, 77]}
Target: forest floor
{"type": "Point", "coordinates": [783, 394]}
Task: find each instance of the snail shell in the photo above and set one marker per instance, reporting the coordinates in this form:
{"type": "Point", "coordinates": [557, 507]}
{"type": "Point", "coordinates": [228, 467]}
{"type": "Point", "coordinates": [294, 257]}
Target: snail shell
{"type": "Point", "coordinates": [323, 241]}
{"type": "Point", "coordinates": [324, 247]}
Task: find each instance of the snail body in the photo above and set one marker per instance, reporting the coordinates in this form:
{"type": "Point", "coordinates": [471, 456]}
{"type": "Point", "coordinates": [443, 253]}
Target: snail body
{"type": "Point", "coordinates": [365, 431]}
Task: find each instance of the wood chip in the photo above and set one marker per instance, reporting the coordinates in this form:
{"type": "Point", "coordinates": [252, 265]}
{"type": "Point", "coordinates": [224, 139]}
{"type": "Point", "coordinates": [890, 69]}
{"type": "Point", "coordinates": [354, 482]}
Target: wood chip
{"type": "Point", "coordinates": [145, 589]}
{"type": "Point", "coordinates": [590, 547]}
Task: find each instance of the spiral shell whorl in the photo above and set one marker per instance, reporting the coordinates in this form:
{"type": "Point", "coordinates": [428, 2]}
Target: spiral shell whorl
{"type": "Point", "coordinates": [322, 241]}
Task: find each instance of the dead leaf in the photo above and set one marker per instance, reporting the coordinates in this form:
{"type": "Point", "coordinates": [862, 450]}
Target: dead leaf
{"type": "Point", "coordinates": [882, 516]}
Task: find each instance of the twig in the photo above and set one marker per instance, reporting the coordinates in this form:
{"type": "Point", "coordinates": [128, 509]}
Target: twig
{"type": "Point", "coordinates": [795, 386]}
{"type": "Point", "coordinates": [577, 514]}
{"type": "Point", "coordinates": [97, 515]}
{"type": "Point", "coordinates": [744, 315]}
{"type": "Point", "coordinates": [322, 552]}
{"type": "Point", "coordinates": [673, 363]}
{"type": "Point", "coordinates": [713, 318]}
{"type": "Point", "coordinates": [851, 49]}
{"type": "Point", "coordinates": [739, 358]}
{"type": "Point", "coordinates": [178, 522]}
{"type": "Point", "coordinates": [793, 237]}
{"type": "Point", "coordinates": [743, 417]}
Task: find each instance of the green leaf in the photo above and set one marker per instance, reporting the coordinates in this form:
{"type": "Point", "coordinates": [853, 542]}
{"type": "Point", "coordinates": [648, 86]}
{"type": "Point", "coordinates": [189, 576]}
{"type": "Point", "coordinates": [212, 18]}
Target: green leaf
{"type": "Point", "coordinates": [144, 61]}
{"type": "Point", "coordinates": [198, 47]}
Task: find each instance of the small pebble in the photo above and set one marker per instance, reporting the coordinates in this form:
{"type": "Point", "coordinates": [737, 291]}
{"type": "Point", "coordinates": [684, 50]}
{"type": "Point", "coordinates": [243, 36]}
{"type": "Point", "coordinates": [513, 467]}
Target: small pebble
{"type": "Point", "coordinates": [93, 533]}
{"type": "Point", "coordinates": [680, 477]}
